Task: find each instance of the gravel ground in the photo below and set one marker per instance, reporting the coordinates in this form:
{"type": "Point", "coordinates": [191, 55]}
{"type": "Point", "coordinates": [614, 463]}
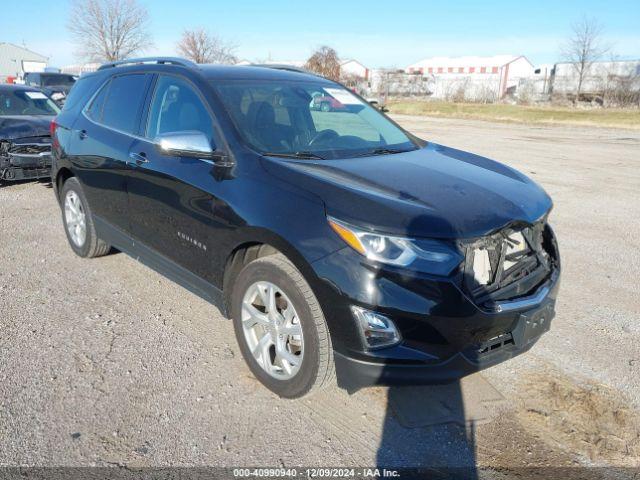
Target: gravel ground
{"type": "Point", "coordinates": [105, 362]}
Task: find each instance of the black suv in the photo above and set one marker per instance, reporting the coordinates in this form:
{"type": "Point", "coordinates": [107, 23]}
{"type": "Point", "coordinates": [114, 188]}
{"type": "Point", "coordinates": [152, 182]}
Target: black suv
{"type": "Point", "coordinates": [336, 241]}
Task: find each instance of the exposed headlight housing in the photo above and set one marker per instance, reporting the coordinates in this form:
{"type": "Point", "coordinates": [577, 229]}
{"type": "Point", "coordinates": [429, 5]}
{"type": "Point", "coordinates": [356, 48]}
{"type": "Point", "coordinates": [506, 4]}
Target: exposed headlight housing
{"type": "Point", "coordinates": [377, 330]}
{"type": "Point", "coordinates": [397, 251]}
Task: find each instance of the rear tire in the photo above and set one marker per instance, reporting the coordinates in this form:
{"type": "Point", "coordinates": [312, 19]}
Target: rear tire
{"type": "Point", "coordinates": [315, 368]}
{"type": "Point", "coordinates": [78, 222]}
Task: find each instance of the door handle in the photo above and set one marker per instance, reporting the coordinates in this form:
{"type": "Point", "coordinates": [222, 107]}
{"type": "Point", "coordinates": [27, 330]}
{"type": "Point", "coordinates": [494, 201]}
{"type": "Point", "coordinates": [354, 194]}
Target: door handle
{"type": "Point", "coordinates": [138, 157]}
{"type": "Point", "coordinates": [82, 134]}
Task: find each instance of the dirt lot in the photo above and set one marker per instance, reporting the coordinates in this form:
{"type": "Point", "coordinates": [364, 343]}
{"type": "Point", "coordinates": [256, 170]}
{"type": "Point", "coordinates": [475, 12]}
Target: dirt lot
{"type": "Point", "coordinates": [104, 362]}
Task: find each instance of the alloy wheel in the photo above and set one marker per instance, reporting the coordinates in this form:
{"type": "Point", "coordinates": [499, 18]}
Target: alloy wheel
{"type": "Point", "coordinates": [75, 218]}
{"type": "Point", "coordinates": [272, 330]}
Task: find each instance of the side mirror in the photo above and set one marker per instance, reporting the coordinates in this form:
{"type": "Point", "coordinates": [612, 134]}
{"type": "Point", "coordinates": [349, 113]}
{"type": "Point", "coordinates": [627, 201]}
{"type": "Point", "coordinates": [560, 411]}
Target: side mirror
{"type": "Point", "coordinates": [189, 143]}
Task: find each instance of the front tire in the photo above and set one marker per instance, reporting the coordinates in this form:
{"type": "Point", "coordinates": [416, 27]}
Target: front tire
{"type": "Point", "coordinates": [280, 328]}
{"type": "Point", "coordinates": [78, 222]}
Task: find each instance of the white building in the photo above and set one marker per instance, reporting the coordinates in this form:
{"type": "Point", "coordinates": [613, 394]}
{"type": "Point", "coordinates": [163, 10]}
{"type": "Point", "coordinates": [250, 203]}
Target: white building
{"type": "Point", "coordinates": [80, 68]}
{"type": "Point", "coordinates": [15, 61]}
{"type": "Point", "coordinates": [392, 82]}
{"type": "Point", "coordinates": [353, 68]}
{"type": "Point", "coordinates": [473, 78]}
{"type": "Point", "coordinates": [599, 77]}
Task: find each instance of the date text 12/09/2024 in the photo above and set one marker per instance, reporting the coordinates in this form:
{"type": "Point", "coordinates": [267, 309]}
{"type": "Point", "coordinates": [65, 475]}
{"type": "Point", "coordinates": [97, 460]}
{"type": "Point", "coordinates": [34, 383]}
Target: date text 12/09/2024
{"type": "Point", "coordinates": [316, 473]}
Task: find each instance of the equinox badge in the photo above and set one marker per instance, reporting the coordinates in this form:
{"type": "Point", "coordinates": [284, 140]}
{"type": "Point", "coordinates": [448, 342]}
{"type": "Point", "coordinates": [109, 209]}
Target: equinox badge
{"type": "Point", "coordinates": [192, 241]}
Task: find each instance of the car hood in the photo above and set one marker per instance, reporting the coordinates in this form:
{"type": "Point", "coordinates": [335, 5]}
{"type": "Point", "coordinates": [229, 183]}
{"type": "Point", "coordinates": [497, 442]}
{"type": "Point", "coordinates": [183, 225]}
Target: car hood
{"type": "Point", "coordinates": [435, 191]}
{"type": "Point", "coordinates": [12, 127]}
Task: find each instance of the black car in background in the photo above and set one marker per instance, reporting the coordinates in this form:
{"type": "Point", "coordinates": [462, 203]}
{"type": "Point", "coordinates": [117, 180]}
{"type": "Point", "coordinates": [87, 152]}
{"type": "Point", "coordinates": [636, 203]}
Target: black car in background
{"type": "Point", "coordinates": [335, 240]}
{"type": "Point", "coordinates": [55, 85]}
{"type": "Point", "coordinates": [25, 142]}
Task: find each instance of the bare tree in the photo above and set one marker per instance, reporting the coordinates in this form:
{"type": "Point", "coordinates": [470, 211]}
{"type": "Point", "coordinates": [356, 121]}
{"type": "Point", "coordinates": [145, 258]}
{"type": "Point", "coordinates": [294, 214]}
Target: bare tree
{"type": "Point", "coordinates": [325, 62]}
{"type": "Point", "coordinates": [584, 48]}
{"type": "Point", "coordinates": [108, 30]}
{"type": "Point", "coordinates": [619, 84]}
{"type": "Point", "coordinates": [204, 47]}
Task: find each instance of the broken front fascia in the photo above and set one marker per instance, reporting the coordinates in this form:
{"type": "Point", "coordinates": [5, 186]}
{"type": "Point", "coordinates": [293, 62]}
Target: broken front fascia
{"type": "Point", "coordinates": [23, 159]}
{"type": "Point", "coordinates": [509, 263]}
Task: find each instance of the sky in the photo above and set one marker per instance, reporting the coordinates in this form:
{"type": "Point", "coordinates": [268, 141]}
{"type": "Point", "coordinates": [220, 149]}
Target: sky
{"type": "Point", "coordinates": [378, 34]}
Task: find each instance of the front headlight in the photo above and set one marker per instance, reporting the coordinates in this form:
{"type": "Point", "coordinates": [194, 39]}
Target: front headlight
{"type": "Point", "coordinates": [392, 250]}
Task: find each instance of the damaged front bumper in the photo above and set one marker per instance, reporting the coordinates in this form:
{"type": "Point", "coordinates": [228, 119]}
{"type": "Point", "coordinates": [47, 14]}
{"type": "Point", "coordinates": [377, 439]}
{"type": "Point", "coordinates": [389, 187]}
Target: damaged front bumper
{"type": "Point", "coordinates": [25, 159]}
{"type": "Point", "coordinates": [449, 326]}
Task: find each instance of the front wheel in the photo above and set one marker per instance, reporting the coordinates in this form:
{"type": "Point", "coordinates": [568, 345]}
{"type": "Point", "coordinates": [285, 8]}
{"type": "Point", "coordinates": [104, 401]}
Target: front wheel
{"type": "Point", "coordinates": [280, 328]}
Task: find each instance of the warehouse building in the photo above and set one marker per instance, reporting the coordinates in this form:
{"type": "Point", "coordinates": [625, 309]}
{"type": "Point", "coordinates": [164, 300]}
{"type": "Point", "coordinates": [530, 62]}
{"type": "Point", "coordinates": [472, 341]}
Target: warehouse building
{"type": "Point", "coordinates": [15, 61]}
{"type": "Point", "coordinates": [599, 77]}
{"type": "Point", "coordinates": [473, 78]}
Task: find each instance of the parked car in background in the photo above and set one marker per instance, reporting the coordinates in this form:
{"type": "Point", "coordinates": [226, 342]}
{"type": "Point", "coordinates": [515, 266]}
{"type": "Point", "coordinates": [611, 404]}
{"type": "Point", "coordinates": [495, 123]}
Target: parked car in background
{"type": "Point", "coordinates": [325, 103]}
{"type": "Point", "coordinates": [25, 143]}
{"type": "Point", "coordinates": [336, 243]}
{"type": "Point", "coordinates": [56, 85]}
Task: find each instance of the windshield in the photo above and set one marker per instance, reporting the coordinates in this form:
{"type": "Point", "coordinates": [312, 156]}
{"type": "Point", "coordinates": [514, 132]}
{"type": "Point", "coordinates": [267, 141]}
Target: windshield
{"type": "Point", "coordinates": [57, 80]}
{"type": "Point", "coordinates": [309, 119]}
{"type": "Point", "coordinates": [24, 102]}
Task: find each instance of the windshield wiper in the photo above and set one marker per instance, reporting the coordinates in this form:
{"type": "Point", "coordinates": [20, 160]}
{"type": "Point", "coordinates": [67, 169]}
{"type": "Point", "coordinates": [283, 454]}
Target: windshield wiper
{"type": "Point", "coordinates": [303, 154]}
{"type": "Point", "coordinates": [383, 151]}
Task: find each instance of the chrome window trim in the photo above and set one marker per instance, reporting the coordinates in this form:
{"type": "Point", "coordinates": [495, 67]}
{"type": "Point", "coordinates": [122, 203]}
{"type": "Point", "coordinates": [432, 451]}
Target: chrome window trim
{"type": "Point", "coordinates": [212, 116]}
{"type": "Point", "coordinates": [100, 124]}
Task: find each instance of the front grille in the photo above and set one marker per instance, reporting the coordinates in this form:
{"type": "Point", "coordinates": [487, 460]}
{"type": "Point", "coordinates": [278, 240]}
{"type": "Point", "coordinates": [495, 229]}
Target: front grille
{"type": "Point", "coordinates": [31, 173]}
{"type": "Point", "coordinates": [29, 148]}
{"type": "Point", "coordinates": [496, 343]}
{"type": "Point", "coordinates": [513, 261]}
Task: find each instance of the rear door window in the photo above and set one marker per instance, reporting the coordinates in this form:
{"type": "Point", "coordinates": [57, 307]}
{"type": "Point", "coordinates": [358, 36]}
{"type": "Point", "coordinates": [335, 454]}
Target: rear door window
{"type": "Point", "coordinates": [121, 109]}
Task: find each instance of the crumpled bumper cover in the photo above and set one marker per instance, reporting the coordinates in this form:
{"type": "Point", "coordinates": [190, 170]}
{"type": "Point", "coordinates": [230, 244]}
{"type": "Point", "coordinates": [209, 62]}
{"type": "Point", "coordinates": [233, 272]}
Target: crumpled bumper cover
{"type": "Point", "coordinates": [445, 335]}
{"type": "Point", "coordinates": [14, 166]}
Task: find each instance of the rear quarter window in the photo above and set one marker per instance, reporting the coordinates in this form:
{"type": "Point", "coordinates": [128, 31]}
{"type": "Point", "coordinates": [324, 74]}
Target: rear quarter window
{"type": "Point", "coordinates": [80, 93]}
{"type": "Point", "coordinates": [94, 110]}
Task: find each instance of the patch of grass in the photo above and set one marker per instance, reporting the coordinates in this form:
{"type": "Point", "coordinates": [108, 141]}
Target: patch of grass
{"type": "Point", "coordinates": [603, 117]}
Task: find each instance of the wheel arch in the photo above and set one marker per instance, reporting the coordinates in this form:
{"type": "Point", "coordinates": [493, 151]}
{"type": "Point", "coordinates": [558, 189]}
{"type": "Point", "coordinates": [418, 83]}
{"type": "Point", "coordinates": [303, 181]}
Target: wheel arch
{"type": "Point", "coordinates": [256, 244]}
{"type": "Point", "coordinates": [62, 175]}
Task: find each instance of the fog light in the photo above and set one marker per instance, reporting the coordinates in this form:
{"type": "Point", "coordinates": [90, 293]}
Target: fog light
{"type": "Point", "coordinates": [378, 331]}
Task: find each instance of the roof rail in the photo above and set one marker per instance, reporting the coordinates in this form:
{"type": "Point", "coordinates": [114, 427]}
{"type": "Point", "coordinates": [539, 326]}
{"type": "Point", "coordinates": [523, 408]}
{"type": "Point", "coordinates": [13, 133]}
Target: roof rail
{"type": "Point", "coordinates": [284, 66]}
{"type": "Point", "coordinates": [183, 62]}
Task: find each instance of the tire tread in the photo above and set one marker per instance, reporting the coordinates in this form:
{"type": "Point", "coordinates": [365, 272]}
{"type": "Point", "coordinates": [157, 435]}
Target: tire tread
{"type": "Point", "coordinates": [325, 375]}
{"type": "Point", "coordinates": [97, 247]}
